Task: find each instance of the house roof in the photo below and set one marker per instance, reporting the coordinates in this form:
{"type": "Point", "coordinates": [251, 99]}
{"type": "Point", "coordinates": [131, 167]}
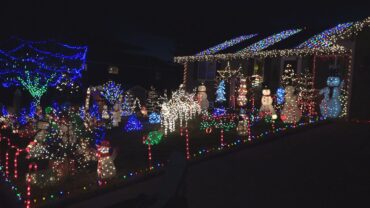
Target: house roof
{"type": "Point", "coordinates": [295, 42]}
{"type": "Point", "coordinates": [225, 45]}
{"type": "Point", "coordinates": [269, 41]}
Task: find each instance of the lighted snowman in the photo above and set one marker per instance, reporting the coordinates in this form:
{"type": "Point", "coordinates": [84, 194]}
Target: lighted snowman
{"type": "Point", "coordinates": [267, 109]}
{"type": "Point", "coordinates": [330, 106]}
{"type": "Point", "coordinates": [106, 168]}
{"type": "Point", "coordinates": [291, 112]}
{"type": "Point", "coordinates": [116, 114]}
{"type": "Point", "coordinates": [202, 97]}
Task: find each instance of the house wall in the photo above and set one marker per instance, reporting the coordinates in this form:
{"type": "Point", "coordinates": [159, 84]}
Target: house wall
{"type": "Point", "coordinates": [360, 96]}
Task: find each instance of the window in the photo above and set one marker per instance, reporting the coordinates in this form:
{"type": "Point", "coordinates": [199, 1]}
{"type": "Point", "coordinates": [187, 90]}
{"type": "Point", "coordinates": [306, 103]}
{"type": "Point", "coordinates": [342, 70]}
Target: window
{"type": "Point", "coordinates": [113, 70]}
{"type": "Point", "coordinates": [206, 71]}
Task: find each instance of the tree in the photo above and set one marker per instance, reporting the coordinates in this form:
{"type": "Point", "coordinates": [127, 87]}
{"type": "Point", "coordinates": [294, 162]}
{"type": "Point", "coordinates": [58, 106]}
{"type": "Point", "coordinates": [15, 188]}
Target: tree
{"type": "Point", "coordinates": [111, 91]}
{"type": "Point", "coordinates": [152, 100]}
{"type": "Point", "coordinates": [35, 85]}
{"type": "Point", "coordinates": [42, 64]}
{"type": "Point", "coordinates": [288, 77]}
{"type": "Point", "coordinates": [220, 93]}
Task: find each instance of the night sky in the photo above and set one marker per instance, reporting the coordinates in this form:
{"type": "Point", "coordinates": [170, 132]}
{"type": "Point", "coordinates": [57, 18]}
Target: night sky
{"type": "Point", "coordinates": [165, 29]}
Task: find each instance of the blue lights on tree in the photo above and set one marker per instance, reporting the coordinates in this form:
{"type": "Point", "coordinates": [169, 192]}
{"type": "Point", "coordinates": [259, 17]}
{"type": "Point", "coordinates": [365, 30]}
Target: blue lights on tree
{"type": "Point", "coordinates": [220, 93]}
{"type": "Point", "coordinates": [43, 60]}
{"type": "Point", "coordinates": [133, 124]}
{"type": "Point", "coordinates": [111, 91]}
{"type": "Point", "coordinates": [94, 112]}
{"type": "Point", "coordinates": [33, 108]}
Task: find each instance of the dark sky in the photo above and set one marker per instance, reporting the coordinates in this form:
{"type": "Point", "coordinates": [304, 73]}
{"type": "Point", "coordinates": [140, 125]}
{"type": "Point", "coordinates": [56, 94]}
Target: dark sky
{"type": "Point", "coordinates": [163, 28]}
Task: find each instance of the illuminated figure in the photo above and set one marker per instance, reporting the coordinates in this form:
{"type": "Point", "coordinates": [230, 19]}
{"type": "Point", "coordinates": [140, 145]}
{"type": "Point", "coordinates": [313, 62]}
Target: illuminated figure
{"type": "Point", "coordinates": [242, 92]}
{"type": "Point", "coordinates": [330, 106]}
{"type": "Point", "coordinates": [266, 105]}
{"type": "Point", "coordinates": [202, 97]}
{"type": "Point", "coordinates": [290, 113]}
{"type": "Point", "coordinates": [106, 168]}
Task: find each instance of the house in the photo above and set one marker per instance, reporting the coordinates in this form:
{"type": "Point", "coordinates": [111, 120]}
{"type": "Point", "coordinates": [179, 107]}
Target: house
{"type": "Point", "coordinates": [262, 58]}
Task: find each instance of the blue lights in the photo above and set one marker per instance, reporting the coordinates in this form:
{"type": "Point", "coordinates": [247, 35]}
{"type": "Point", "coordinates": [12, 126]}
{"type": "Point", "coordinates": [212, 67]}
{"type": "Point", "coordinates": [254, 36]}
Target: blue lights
{"type": "Point", "coordinates": [280, 95]}
{"type": "Point", "coordinates": [269, 41]}
{"type": "Point", "coordinates": [225, 45]}
{"type": "Point", "coordinates": [219, 112]}
{"type": "Point", "coordinates": [154, 118]}
{"type": "Point", "coordinates": [324, 39]}
{"type": "Point", "coordinates": [133, 124]}
{"type": "Point", "coordinates": [220, 93]}
{"type": "Point", "coordinates": [111, 91]}
{"type": "Point", "coordinates": [38, 57]}
{"type": "Point", "coordinates": [330, 106]}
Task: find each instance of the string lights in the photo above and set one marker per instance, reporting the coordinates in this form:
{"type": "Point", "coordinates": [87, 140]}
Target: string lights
{"type": "Point", "coordinates": [38, 57]}
{"type": "Point", "coordinates": [225, 45]}
{"type": "Point", "coordinates": [271, 40]}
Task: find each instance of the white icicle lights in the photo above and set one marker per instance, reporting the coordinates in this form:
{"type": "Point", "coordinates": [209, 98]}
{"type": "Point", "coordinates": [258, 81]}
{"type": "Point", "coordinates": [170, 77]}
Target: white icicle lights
{"type": "Point", "coordinates": [180, 108]}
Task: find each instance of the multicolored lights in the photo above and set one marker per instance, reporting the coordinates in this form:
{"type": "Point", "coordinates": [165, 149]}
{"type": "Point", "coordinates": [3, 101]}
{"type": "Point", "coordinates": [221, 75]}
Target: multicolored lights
{"type": "Point", "coordinates": [39, 58]}
{"type": "Point", "coordinates": [225, 45]}
{"type": "Point", "coordinates": [269, 41]}
{"type": "Point", "coordinates": [324, 39]}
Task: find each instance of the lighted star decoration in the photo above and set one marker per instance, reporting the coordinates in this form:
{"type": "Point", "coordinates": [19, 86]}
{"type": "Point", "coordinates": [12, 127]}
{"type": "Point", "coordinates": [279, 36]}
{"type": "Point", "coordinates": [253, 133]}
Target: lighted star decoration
{"type": "Point", "coordinates": [227, 74]}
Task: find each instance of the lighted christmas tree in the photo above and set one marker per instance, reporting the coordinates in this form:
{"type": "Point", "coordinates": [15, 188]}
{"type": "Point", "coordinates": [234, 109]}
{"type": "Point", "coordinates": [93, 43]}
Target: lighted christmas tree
{"type": "Point", "coordinates": [288, 77]}
{"type": "Point", "coordinates": [306, 92]}
{"type": "Point", "coordinates": [290, 113]}
{"type": "Point", "coordinates": [152, 100]}
{"type": "Point", "coordinates": [94, 112]}
{"type": "Point", "coordinates": [220, 93]}
{"type": "Point", "coordinates": [133, 124]}
{"type": "Point", "coordinates": [36, 84]}
{"type": "Point", "coordinates": [65, 143]}
{"type": "Point", "coordinates": [126, 107]}
{"type": "Point", "coordinates": [111, 91]}
{"type": "Point", "coordinates": [136, 105]}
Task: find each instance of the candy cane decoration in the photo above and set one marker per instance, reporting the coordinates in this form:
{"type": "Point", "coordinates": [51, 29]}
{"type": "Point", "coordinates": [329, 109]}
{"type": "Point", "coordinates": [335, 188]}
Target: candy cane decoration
{"type": "Point", "coordinates": [31, 167]}
{"type": "Point", "coordinates": [187, 143]}
{"type": "Point", "coordinates": [16, 163]}
{"type": "Point", "coordinates": [249, 129]}
{"type": "Point", "coordinates": [7, 164]}
{"type": "Point", "coordinates": [222, 138]}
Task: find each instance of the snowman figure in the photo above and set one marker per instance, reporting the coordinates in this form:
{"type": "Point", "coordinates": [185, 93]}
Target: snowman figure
{"type": "Point", "coordinates": [330, 106]}
{"type": "Point", "coordinates": [116, 114]}
{"type": "Point", "coordinates": [105, 114]}
{"type": "Point", "coordinates": [106, 168]}
{"type": "Point", "coordinates": [290, 113]}
{"type": "Point", "coordinates": [202, 97]}
{"type": "Point", "coordinates": [266, 105]}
